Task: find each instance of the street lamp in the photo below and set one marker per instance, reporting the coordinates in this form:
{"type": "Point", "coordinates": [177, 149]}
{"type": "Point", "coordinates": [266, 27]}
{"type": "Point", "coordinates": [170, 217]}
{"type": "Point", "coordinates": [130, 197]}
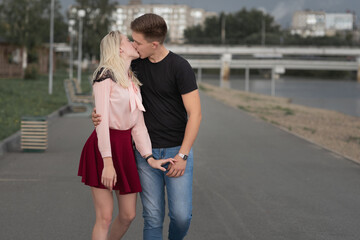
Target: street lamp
{"type": "Point", "coordinates": [51, 47]}
{"type": "Point", "coordinates": [71, 60]}
{"type": "Point", "coordinates": [81, 14]}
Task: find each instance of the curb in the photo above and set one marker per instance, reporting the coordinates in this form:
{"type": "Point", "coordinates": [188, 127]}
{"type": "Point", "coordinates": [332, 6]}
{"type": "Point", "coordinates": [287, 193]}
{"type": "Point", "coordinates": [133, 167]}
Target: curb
{"type": "Point", "coordinates": [12, 143]}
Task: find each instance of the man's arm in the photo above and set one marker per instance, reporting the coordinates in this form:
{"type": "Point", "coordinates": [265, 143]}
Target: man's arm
{"type": "Point", "coordinates": [192, 105]}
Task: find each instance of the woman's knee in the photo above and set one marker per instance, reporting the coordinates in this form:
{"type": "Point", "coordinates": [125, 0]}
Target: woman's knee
{"type": "Point", "coordinates": [127, 218]}
{"type": "Point", "coordinates": [104, 219]}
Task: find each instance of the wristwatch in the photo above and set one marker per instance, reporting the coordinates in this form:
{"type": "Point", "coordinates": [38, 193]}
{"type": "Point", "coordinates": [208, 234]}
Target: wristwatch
{"type": "Point", "coordinates": [183, 156]}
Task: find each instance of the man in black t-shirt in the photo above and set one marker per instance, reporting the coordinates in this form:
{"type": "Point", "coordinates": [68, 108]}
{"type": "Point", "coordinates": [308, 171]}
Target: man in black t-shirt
{"type": "Point", "coordinates": [173, 116]}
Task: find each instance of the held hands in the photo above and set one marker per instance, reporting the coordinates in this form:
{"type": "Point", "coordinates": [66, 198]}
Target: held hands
{"type": "Point", "coordinates": [177, 169]}
{"type": "Point", "coordinates": [158, 164]}
{"type": "Point", "coordinates": [108, 177]}
{"type": "Point", "coordinates": [96, 118]}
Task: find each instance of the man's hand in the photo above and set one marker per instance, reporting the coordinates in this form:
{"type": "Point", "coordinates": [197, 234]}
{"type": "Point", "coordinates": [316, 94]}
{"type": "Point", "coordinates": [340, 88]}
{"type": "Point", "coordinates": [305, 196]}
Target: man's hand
{"type": "Point", "coordinates": [178, 168]}
{"type": "Point", "coordinates": [96, 118]}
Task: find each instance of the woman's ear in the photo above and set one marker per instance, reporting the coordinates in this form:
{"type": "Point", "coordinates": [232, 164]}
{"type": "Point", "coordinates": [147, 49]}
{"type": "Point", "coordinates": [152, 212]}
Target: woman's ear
{"type": "Point", "coordinates": [121, 51]}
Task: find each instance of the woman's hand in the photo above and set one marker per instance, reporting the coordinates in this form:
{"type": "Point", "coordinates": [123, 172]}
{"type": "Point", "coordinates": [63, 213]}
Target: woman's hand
{"type": "Point", "coordinates": [108, 177]}
{"type": "Point", "coordinates": [158, 164]}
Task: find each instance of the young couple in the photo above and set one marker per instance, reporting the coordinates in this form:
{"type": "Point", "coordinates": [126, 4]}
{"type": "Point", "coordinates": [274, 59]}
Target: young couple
{"type": "Point", "coordinates": [164, 127]}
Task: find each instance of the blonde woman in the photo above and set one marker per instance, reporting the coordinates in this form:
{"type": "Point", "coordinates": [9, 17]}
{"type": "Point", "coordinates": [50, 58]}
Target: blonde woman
{"type": "Point", "coordinates": [107, 160]}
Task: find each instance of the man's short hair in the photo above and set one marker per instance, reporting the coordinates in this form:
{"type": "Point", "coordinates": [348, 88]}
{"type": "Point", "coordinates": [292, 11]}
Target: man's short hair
{"type": "Point", "coordinates": [152, 26]}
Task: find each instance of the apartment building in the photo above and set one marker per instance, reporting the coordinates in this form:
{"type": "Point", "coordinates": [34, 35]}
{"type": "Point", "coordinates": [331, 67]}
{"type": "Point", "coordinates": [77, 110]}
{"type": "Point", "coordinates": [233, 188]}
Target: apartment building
{"type": "Point", "coordinates": [319, 23]}
{"type": "Point", "coordinates": [177, 17]}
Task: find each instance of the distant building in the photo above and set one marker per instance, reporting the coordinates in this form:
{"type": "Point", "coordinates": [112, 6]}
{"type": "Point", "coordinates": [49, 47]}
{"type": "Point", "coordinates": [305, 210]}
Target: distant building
{"type": "Point", "coordinates": [318, 23]}
{"type": "Point", "coordinates": [13, 60]}
{"type": "Point", "coordinates": [339, 22]}
{"type": "Point", "coordinates": [308, 23]}
{"type": "Point", "coordinates": [177, 17]}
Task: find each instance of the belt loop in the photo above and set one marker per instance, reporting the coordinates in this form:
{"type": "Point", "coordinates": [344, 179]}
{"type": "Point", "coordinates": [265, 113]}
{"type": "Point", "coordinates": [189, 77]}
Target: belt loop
{"type": "Point", "coordinates": [162, 150]}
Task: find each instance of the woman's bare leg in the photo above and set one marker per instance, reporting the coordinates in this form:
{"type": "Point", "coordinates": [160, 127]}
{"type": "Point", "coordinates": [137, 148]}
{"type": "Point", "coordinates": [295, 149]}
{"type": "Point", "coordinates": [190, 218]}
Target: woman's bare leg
{"type": "Point", "coordinates": [127, 212]}
{"type": "Point", "coordinates": [104, 204]}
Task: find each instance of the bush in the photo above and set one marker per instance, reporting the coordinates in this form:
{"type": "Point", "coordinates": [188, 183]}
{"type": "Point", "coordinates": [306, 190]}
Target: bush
{"type": "Point", "coordinates": [31, 72]}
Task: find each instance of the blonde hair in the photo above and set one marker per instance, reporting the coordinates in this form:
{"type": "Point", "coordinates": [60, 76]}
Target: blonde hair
{"type": "Point", "coordinates": [110, 60]}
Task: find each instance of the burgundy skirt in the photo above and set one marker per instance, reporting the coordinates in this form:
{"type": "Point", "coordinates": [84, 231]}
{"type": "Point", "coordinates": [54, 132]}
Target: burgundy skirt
{"type": "Point", "coordinates": [91, 162]}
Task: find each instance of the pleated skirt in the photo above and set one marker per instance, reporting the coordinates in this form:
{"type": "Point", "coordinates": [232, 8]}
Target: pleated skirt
{"type": "Point", "coordinates": [91, 163]}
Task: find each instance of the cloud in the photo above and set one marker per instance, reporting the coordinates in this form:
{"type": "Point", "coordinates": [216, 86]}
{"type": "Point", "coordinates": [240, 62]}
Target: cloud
{"type": "Point", "coordinates": [285, 9]}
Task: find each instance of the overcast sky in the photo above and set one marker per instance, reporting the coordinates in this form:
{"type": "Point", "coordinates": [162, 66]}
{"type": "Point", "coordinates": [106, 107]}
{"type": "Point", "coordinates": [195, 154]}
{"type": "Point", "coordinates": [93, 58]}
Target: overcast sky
{"type": "Point", "coordinates": [282, 10]}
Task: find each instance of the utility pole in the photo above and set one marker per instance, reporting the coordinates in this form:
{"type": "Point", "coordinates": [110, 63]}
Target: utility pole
{"type": "Point", "coordinates": [223, 16]}
{"type": "Point", "coordinates": [263, 31]}
{"type": "Point", "coordinates": [263, 26]}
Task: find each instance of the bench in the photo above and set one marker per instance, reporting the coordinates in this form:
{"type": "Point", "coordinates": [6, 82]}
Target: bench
{"type": "Point", "coordinates": [77, 101]}
{"type": "Point", "coordinates": [34, 133]}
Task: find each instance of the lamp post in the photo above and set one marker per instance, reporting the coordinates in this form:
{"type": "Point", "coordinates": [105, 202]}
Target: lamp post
{"type": "Point", "coordinates": [81, 14]}
{"type": "Point", "coordinates": [71, 60]}
{"type": "Point", "coordinates": [51, 47]}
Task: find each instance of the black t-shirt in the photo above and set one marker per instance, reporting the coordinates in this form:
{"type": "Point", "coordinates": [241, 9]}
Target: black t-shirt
{"type": "Point", "coordinates": [163, 84]}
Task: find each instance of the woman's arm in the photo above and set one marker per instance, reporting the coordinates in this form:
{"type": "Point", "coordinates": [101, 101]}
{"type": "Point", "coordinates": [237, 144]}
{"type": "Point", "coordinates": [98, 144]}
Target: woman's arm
{"type": "Point", "coordinates": [143, 144]}
{"type": "Point", "coordinates": [102, 103]}
{"type": "Point", "coordinates": [141, 136]}
{"type": "Point", "coordinates": [102, 91]}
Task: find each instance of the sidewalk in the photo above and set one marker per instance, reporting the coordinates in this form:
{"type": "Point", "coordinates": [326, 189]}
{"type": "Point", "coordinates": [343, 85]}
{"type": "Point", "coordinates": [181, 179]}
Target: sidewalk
{"type": "Point", "coordinates": [251, 181]}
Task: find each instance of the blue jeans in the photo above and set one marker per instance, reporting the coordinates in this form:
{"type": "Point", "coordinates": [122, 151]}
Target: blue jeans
{"type": "Point", "coordinates": [179, 193]}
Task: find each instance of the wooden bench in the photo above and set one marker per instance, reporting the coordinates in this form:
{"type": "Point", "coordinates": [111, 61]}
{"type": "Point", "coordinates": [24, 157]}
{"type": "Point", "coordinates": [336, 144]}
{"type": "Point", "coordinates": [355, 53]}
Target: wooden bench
{"type": "Point", "coordinates": [34, 133]}
{"type": "Point", "coordinates": [77, 101]}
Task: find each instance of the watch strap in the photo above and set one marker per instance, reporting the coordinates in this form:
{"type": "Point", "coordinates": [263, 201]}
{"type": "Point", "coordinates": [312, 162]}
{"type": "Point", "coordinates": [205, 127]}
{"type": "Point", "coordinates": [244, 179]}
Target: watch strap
{"type": "Point", "coordinates": [183, 156]}
{"type": "Point", "coordinates": [148, 157]}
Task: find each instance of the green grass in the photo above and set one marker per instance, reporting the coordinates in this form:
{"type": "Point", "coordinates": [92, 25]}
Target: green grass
{"type": "Point", "coordinates": [248, 98]}
{"type": "Point", "coordinates": [275, 122]}
{"type": "Point", "coordinates": [204, 89]}
{"type": "Point", "coordinates": [353, 139]}
{"type": "Point", "coordinates": [264, 118]}
{"type": "Point", "coordinates": [287, 111]}
{"type": "Point", "coordinates": [19, 97]}
{"type": "Point", "coordinates": [246, 109]}
{"type": "Point", "coordinates": [310, 130]}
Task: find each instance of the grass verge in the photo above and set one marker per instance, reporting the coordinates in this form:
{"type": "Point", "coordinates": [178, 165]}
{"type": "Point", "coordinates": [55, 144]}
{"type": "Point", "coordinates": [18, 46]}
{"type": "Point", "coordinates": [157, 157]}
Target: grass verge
{"type": "Point", "coordinates": [20, 97]}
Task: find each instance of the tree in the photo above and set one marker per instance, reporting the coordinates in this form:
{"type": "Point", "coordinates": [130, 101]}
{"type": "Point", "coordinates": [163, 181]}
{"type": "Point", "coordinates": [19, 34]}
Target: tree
{"type": "Point", "coordinates": [245, 27]}
{"type": "Point", "coordinates": [97, 22]}
{"type": "Point", "coordinates": [26, 23]}
{"type": "Point", "coordinates": [242, 27]}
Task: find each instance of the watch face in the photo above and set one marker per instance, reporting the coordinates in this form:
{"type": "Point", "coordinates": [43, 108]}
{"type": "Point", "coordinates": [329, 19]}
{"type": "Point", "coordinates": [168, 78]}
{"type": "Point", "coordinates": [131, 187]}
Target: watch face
{"type": "Point", "coordinates": [185, 157]}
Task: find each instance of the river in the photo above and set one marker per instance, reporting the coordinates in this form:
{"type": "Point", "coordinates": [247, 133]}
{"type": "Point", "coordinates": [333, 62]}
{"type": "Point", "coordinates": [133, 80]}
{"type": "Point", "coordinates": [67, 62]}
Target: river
{"type": "Point", "coordinates": [339, 95]}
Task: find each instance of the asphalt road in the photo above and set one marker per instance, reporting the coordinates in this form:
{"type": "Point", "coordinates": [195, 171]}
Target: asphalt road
{"type": "Point", "coordinates": [251, 181]}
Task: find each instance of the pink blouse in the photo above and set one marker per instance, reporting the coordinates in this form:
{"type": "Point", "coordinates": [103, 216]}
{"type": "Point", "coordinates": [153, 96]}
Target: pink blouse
{"type": "Point", "coordinates": [121, 109]}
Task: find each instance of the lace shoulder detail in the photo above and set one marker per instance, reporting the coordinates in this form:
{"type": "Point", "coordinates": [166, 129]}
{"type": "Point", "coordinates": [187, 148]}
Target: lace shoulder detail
{"type": "Point", "coordinates": [106, 75]}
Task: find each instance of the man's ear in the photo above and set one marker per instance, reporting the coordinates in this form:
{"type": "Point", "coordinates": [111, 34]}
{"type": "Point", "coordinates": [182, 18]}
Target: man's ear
{"type": "Point", "coordinates": [155, 44]}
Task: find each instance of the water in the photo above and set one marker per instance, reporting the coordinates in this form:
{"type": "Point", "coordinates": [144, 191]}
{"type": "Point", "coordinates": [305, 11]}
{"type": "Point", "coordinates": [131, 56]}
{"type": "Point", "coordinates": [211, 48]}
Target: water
{"type": "Point", "coordinates": [339, 95]}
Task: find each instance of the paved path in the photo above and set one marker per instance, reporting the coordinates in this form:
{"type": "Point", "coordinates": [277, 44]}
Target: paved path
{"type": "Point", "coordinates": [251, 181]}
